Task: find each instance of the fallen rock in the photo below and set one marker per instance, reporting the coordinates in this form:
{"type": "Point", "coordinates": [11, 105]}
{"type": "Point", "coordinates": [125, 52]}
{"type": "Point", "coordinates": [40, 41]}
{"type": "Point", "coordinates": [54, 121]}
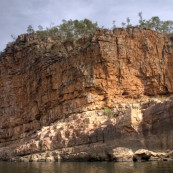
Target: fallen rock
{"type": "Point", "coordinates": [122, 154]}
{"type": "Point", "coordinates": [142, 155]}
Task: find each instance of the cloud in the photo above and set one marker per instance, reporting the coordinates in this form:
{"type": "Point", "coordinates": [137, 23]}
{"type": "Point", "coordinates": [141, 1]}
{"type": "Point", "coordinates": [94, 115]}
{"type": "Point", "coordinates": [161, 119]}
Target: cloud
{"type": "Point", "coordinates": [17, 15]}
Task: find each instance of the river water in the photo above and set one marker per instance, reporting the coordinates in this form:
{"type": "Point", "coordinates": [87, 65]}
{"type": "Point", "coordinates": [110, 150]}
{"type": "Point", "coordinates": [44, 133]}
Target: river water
{"type": "Point", "coordinates": [87, 167]}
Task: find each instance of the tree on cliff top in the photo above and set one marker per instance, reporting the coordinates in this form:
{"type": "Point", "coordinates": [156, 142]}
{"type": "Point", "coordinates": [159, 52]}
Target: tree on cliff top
{"type": "Point", "coordinates": [77, 29]}
{"type": "Point", "coordinates": [156, 24]}
{"type": "Point", "coordinates": [74, 29]}
{"type": "Point", "coordinates": [68, 30]}
{"type": "Point", "coordinates": [30, 29]}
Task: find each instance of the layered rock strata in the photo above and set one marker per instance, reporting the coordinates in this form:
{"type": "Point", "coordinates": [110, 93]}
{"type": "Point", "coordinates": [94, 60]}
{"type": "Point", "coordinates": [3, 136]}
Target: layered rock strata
{"type": "Point", "coordinates": [102, 97]}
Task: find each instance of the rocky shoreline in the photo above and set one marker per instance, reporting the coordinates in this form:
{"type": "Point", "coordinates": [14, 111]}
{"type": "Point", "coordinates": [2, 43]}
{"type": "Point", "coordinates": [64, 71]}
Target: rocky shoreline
{"type": "Point", "coordinates": [119, 154]}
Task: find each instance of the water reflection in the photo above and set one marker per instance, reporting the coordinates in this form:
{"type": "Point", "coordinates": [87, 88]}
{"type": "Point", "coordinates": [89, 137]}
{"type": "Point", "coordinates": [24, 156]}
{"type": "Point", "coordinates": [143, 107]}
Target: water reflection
{"type": "Point", "coordinates": [87, 167]}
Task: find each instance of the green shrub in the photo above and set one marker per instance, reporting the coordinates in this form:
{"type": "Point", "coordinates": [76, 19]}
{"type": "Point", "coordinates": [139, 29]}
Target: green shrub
{"type": "Point", "coordinates": [108, 112]}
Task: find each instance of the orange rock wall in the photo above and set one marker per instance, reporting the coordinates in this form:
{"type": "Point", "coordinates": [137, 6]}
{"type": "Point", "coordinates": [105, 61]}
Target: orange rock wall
{"type": "Point", "coordinates": [46, 81]}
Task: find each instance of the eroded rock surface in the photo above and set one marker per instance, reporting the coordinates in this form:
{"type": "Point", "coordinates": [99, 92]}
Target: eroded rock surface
{"type": "Point", "coordinates": [54, 95]}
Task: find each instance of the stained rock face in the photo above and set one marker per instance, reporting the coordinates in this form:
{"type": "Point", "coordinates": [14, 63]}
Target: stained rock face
{"type": "Point", "coordinates": [54, 95]}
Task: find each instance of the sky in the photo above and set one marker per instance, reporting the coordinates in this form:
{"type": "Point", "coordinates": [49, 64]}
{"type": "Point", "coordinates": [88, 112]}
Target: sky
{"type": "Point", "coordinates": [17, 15]}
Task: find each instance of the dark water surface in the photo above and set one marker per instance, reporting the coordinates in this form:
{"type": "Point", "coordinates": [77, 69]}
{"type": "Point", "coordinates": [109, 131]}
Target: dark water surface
{"type": "Point", "coordinates": [87, 167]}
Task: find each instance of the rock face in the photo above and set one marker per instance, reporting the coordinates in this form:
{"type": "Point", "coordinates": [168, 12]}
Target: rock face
{"type": "Point", "coordinates": [102, 97]}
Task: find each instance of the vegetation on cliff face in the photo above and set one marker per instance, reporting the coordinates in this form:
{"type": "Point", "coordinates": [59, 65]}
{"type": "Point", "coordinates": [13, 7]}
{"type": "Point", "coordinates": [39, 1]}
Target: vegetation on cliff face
{"type": "Point", "coordinates": [49, 38]}
{"type": "Point", "coordinates": [68, 30]}
{"type": "Point", "coordinates": [72, 30]}
{"type": "Point", "coordinates": [156, 24]}
{"type": "Point", "coordinates": [75, 29]}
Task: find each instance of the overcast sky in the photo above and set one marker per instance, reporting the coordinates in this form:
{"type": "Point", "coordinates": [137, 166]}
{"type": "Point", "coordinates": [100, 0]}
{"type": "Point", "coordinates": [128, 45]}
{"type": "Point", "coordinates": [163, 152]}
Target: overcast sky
{"type": "Point", "coordinates": [16, 15]}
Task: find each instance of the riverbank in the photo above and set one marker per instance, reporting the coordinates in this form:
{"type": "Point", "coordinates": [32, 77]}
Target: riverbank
{"type": "Point", "coordinates": [119, 155]}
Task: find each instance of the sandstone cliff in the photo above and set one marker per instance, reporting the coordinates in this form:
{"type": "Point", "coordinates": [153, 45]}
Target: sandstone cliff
{"type": "Point", "coordinates": [102, 97]}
